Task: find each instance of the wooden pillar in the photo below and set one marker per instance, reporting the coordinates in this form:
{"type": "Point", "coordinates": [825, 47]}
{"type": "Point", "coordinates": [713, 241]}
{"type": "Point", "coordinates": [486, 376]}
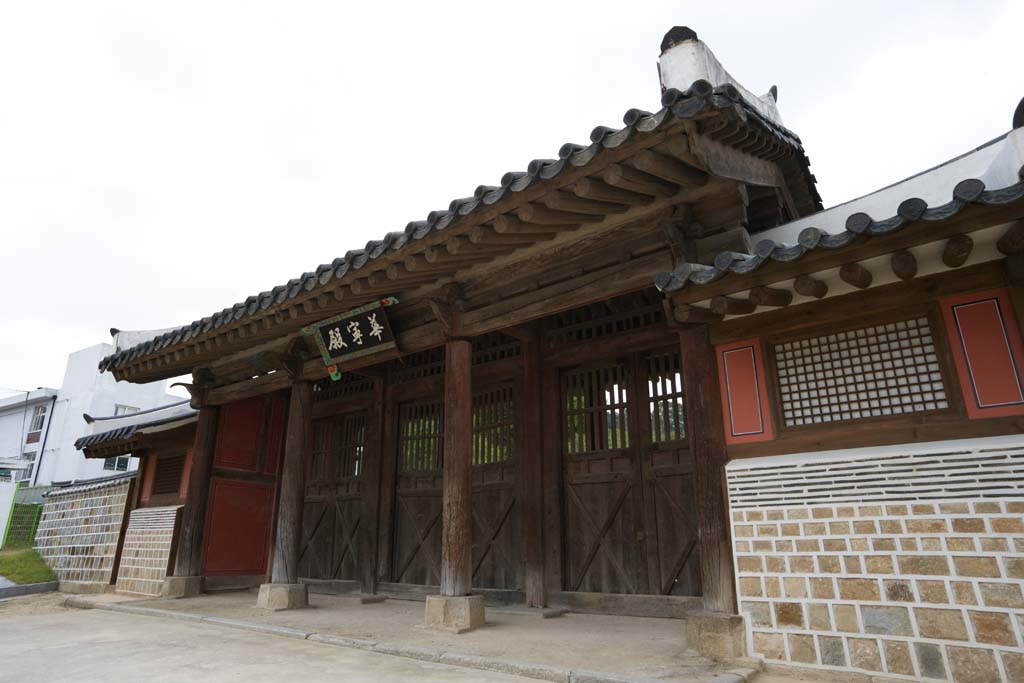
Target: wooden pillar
{"type": "Point", "coordinates": [188, 561]}
{"type": "Point", "coordinates": [457, 530]}
{"type": "Point", "coordinates": [369, 488]}
{"type": "Point", "coordinates": [531, 474]}
{"type": "Point", "coordinates": [288, 540]}
{"type": "Point", "coordinates": [706, 434]}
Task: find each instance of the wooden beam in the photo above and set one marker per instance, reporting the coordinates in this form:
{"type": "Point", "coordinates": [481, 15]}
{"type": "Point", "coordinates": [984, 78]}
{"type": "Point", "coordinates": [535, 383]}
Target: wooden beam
{"type": "Point", "coordinates": [1012, 241]}
{"type": "Point", "coordinates": [855, 275]}
{"type": "Point", "coordinates": [725, 305]}
{"type": "Point", "coordinates": [805, 285]}
{"type": "Point", "coordinates": [485, 234]}
{"type": "Point", "coordinates": [669, 169]}
{"type": "Point", "coordinates": [567, 202]}
{"type": "Point", "coordinates": [297, 442]}
{"type": "Point", "coordinates": [457, 506]}
{"type": "Point", "coordinates": [904, 264]}
{"type": "Point", "coordinates": [957, 250]}
{"type": "Point", "coordinates": [236, 391]}
{"type": "Point", "coordinates": [510, 225]}
{"type": "Point", "coordinates": [706, 435]}
{"type": "Point", "coordinates": [695, 314]}
{"type": "Point", "coordinates": [769, 296]}
{"type": "Point", "coordinates": [542, 215]}
{"type": "Point", "coordinates": [592, 188]}
{"type": "Point", "coordinates": [629, 178]}
{"type": "Point", "coordinates": [439, 255]}
{"type": "Point", "coordinates": [188, 561]}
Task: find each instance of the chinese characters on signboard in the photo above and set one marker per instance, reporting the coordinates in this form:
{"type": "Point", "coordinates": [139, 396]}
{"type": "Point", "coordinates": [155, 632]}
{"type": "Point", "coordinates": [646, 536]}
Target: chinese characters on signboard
{"type": "Point", "coordinates": [352, 334]}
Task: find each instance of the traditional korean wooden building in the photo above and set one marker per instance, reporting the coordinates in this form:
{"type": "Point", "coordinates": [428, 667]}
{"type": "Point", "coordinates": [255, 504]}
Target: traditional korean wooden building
{"type": "Point", "coordinates": [578, 352]}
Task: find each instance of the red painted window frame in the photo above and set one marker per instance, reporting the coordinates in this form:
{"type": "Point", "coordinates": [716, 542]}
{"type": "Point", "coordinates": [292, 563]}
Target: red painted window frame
{"type": "Point", "coordinates": [1015, 346]}
{"type": "Point", "coordinates": [760, 392]}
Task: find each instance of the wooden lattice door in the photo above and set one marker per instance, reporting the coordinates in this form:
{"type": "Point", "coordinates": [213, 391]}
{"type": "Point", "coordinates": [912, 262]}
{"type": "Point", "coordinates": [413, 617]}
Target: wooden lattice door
{"type": "Point", "coordinates": [333, 503]}
{"type": "Point", "coordinates": [417, 516]}
{"type": "Point", "coordinates": [629, 510]}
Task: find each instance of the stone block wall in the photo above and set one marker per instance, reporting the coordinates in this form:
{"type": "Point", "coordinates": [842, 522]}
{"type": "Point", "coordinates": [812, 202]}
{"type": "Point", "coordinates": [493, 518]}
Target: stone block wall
{"type": "Point", "coordinates": [146, 554]}
{"type": "Point", "coordinates": [80, 527]}
{"type": "Point", "coordinates": [882, 565]}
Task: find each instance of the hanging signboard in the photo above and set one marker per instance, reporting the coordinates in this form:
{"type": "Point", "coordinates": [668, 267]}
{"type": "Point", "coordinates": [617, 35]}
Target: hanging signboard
{"type": "Point", "coordinates": [353, 334]}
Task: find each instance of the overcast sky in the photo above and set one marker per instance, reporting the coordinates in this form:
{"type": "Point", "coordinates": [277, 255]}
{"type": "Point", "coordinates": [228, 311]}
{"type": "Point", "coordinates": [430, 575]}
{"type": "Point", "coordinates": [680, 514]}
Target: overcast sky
{"type": "Point", "coordinates": [160, 161]}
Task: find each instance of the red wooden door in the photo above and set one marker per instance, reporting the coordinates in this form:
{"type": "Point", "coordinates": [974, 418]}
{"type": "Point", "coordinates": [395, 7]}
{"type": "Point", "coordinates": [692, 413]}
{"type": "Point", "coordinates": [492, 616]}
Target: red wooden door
{"type": "Point", "coordinates": [240, 509]}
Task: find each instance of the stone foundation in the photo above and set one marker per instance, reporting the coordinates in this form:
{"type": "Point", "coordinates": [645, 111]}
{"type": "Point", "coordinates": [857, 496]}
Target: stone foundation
{"type": "Point", "coordinates": [181, 586]}
{"type": "Point", "coordinates": [281, 596]}
{"type": "Point", "coordinates": [455, 614]}
{"type": "Point", "coordinates": [717, 636]}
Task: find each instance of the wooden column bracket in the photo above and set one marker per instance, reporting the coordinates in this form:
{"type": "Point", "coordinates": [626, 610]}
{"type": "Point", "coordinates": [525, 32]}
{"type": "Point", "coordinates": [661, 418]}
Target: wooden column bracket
{"type": "Point", "coordinates": [904, 264]}
{"type": "Point", "coordinates": [724, 305]}
{"type": "Point", "coordinates": [447, 309]}
{"type": "Point", "coordinates": [855, 275]}
{"type": "Point", "coordinates": [768, 296]}
{"type": "Point", "coordinates": [629, 178]}
{"type": "Point", "coordinates": [957, 250]}
{"type": "Point", "coordinates": [805, 285]}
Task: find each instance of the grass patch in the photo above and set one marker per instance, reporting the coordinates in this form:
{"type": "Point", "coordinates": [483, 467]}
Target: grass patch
{"type": "Point", "coordinates": [25, 566]}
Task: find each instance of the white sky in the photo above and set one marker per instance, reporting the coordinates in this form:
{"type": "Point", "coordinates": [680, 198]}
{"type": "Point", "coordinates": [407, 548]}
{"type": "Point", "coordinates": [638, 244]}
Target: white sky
{"type": "Point", "coordinates": [160, 161]}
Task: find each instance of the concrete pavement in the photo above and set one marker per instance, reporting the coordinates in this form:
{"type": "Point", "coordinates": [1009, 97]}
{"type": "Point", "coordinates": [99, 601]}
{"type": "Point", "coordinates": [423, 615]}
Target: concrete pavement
{"type": "Point", "coordinates": [78, 645]}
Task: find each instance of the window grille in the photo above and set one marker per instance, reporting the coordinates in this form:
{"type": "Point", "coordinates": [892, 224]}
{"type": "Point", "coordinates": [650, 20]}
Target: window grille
{"type": "Point", "coordinates": [167, 478]}
{"type": "Point", "coordinates": [117, 464]}
{"type": "Point", "coordinates": [338, 447]}
{"type": "Point", "coordinates": [350, 384]}
{"type": "Point", "coordinates": [494, 347]}
{"type": "Point", "coordinates": [596, 413]}
{"type": "Point", "coordinates": [607, 318]}
{"type": "Point", "coordinates": [420, 431]}
{"type": "Point", "coordinates": [665, 394]}
{"type": "Point", "coordinates": [888, 369]}
{"type": "Point", "coordinates": [417, 366]}
{"type": "Point", "coordinates": [494, 426]}
{"type": "Point", "coordinates": [124, 410]}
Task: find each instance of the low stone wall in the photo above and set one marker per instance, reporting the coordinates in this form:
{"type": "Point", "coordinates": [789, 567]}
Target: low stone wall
{"type": "Point", "coordinates": [146, 554]}
{"type": "Point", "coordinates": [79, 530]}
{"type": "Point", "coordinates": [879, 563]}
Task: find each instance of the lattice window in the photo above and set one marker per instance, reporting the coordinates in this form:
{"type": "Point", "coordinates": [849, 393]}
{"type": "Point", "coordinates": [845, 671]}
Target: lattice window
{"type": "Point", "coordinates": [349, 385]}
{"type": "Point", "coordinates": [492, 347]}
{"type": "Point", "coordinates": [338, 446]}
{"type": "Point", "coordinates": [420, 432]}
{"type": "Point", "coordinates": [622, 314]}
{"type": "Point", "coordinates": [417, 366]}
{"type": "Point", "coordinates": [596, 414]}
{"type": "Point", "coordinates": [494, 426]}
{"type": "Point", "coordinates": [888, 369]}
{"type": "Point", "coordinates": [167, 478]}
{"type": "Point", "coordinates": [665, 396]}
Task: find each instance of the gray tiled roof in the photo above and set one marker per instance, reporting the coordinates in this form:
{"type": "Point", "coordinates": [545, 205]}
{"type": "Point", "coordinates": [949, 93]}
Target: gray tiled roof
{"type": "Point", "coordinates": [699, 99]}
{"type": "Point", "coordinates": [127, 432]}
{"type": "Point", "coordinates": [912, 210]}
{"type": "Point", "coordinates": [64, 488]}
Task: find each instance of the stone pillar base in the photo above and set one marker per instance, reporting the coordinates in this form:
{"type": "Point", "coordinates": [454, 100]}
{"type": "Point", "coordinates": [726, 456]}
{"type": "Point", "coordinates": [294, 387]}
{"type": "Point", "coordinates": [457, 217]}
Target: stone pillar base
{"type": "Point", "coordinates": [279, 596]}
{"type": "Point", "coordinates": [455, 614]}
{"type": "Point", "coordinates": [181, 586]}
{"type": "Point", "coordinates": [716, 635]}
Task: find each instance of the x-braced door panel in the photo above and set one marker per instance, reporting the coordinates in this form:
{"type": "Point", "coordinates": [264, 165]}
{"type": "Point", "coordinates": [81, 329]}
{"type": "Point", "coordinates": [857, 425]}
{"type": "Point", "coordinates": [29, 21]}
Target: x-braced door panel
{"type": "Point", "coordinates": [417, 526]}
{"type": "Point", "coordinates": [629, 506]}
{"type": "Point", "coordinates": [333, 505]}
{"type": "Point", "coordinates": [601, 480]}
{"type": "Point", "coordinates": [496, 531]}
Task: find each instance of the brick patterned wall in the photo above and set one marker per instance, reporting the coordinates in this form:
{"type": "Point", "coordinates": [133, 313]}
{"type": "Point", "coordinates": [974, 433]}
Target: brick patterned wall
{"type": "Point", "coordinates": [146, 555]}
{"type": "Point", "coordinates": [925, 588]}
{"type": "Point", "coordinates": [79, 529]}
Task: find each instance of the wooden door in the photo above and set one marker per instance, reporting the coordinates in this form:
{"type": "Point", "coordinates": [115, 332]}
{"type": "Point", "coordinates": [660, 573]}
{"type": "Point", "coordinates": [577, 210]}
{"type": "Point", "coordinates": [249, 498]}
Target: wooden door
{"type": "Point", "coordinates": [332, 512]}
{"type": "Point", "coordinates": [496, 525]}
{"type": "Point", "coordinates": [670, 502]}
{"type": "Point", "coordinates": [601, 480]}
{"type": "Point", "coordinates": [629, 516]}
{"type": "Point", "coordinates": [417, 516]}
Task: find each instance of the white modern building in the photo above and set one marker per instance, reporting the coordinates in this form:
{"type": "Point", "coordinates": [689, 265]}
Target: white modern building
{"type": "Point", "coordinates": [39, 427]}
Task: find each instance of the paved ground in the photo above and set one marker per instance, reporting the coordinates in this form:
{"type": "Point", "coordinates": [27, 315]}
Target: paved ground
{"type": "Point", "coordinates": [41, 641]}
{"type": "Point", "coordinates": [652, 648]}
